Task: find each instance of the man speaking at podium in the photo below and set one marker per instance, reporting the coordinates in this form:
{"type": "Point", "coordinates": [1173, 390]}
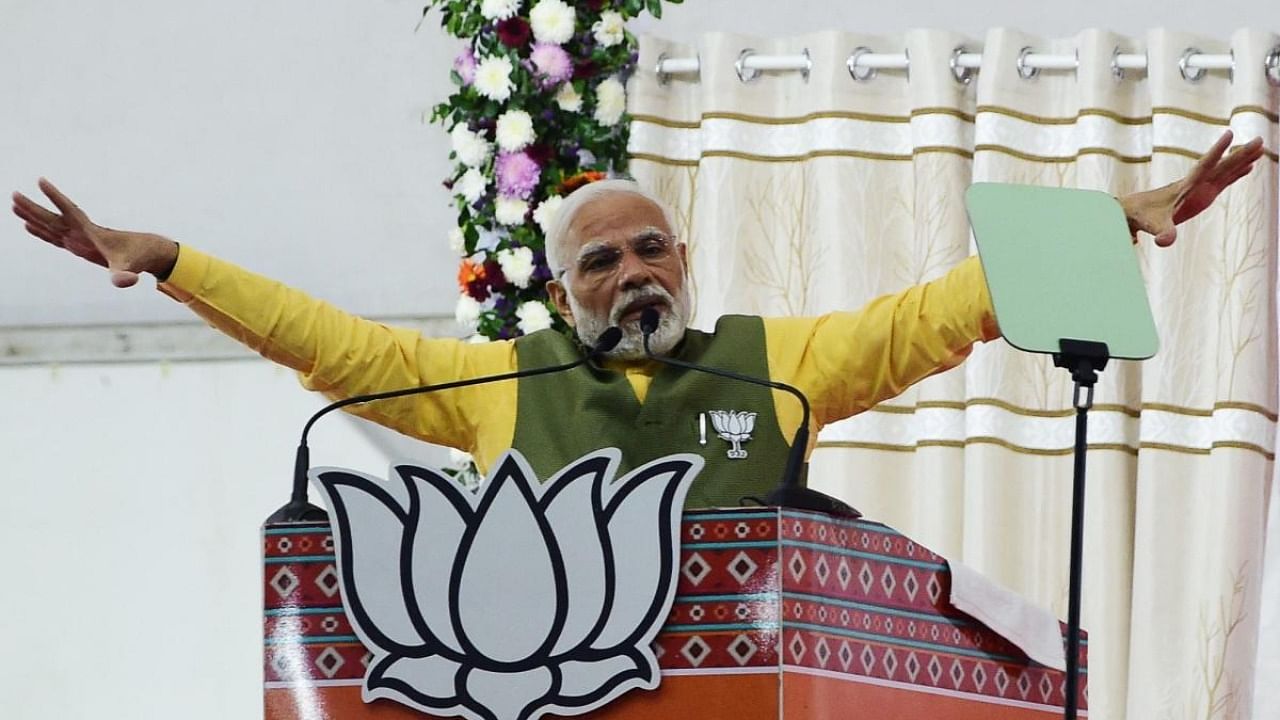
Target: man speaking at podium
{"type": "Point", "coordinates": [613, 254]}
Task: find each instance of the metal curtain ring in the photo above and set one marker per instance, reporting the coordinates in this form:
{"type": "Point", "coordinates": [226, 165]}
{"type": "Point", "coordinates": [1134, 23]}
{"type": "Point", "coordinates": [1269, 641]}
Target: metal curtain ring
{"type": "Point", "coordinates": [1190, 74]}
{"type": "Point", "coordinates": [906, 53]}
{"type": "Point", "coordinates": [963, 75]}
{"type": "Point", "coordinates": [663, 77]}
{"type": "Point", "coordinates": [808, 64]}
{"type": "Point", "coordinates": [745, 74]}
{"type": "Point", "coordinates": [859, 74]}
{"type": "Point", "coordinates": [1025, 71]}
{"type": "Point", "coordinates": [1272, 64]}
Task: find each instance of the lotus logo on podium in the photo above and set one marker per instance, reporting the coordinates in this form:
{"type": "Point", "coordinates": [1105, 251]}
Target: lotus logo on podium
{"type": "Point", "coordinates": [519, 600]}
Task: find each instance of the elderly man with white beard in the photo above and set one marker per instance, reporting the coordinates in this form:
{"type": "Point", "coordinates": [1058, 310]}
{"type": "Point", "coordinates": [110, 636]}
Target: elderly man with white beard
{"type": "Point", "coordinates": [613, 253]}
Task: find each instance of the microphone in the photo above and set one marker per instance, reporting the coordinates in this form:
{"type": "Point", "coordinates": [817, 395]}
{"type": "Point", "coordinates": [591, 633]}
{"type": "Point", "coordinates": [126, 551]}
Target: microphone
{"type": "Point", "coordinates": [298, 509]}
{"type": "Point", "coordinates": [789, 493]}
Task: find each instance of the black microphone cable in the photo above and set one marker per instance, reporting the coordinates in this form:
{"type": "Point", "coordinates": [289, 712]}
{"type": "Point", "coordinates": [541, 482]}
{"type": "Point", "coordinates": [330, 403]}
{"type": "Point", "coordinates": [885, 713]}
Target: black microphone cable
{"type": "Point", "coordinates": [299, 509]}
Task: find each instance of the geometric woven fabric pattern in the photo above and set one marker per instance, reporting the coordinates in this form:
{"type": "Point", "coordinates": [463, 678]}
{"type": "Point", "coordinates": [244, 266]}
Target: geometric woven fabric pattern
{"type": "Point", "coordinates": [757, 588]}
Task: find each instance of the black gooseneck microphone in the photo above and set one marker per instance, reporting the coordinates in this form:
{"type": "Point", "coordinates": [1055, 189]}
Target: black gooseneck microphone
{"type": "Point", "coordinates": [789, 493]}
{"type": "Point", "coordinates": [298, 509]}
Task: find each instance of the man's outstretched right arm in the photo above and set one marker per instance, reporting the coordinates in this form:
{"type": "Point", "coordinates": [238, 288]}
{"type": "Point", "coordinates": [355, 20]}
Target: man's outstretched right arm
{"type": "Point", "coordinates": [335, 352]}
{"type": "Point", "coordinates": [340, 354]}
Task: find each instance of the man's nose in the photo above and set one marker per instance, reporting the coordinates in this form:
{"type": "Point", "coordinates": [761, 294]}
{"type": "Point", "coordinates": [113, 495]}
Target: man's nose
{"type": "Point", "coordinates": [632, 271]}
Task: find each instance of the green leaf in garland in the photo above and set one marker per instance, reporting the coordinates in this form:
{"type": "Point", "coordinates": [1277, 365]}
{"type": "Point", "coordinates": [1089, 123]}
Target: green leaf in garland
{"type": "Point", "coordinates": [655, 8]}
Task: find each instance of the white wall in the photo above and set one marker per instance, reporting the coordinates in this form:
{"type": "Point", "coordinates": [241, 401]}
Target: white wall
{"type": "Point", "coordinates": [129, 522]}
{"type": "Point", "coordinates": [286, 135]}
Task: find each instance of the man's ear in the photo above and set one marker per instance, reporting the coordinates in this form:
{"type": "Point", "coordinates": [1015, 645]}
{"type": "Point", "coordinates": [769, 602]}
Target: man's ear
{"type": "Point", "coordinates": [560, 298]}
{"type": "Point", "coordinates": [683, 250]}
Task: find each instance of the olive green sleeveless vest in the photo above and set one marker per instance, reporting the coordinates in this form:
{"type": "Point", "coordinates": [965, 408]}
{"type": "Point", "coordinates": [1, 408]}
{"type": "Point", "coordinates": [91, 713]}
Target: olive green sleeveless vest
{"type": "Point", "coordinates": [562, 417]}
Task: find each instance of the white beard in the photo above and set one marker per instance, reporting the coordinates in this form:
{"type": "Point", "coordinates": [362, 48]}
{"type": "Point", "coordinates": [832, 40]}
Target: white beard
{"type": "Point", "coordinates": [671, 324]}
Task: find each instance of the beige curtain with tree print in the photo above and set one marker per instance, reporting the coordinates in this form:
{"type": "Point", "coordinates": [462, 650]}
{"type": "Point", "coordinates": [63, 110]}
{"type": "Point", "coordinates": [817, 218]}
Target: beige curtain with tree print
{"type": "Point", "coordinates": [800, 195]}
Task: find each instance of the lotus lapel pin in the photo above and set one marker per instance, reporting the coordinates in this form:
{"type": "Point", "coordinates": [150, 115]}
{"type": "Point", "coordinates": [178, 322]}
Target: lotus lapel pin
{"type": "Point", "coordinates": [735, 428]}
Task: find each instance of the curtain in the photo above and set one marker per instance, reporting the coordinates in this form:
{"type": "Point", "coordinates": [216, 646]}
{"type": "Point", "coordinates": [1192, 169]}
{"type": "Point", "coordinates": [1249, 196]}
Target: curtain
{"type": "Point", "coordinates": [805, 193]}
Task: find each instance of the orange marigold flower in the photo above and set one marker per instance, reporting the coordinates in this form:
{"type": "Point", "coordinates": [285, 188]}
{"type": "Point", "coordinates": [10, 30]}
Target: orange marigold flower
{"type": "Point", "coordinates": [573, 182]}
{"type": "Point", "coordinates": [468, 273]}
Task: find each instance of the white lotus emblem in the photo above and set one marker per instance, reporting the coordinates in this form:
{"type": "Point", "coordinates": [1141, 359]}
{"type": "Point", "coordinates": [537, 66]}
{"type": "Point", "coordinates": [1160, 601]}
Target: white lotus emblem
{"type": "Point", "coordinates": [521, 600]}
{"type": "Point", "coordinates": [734, 427]}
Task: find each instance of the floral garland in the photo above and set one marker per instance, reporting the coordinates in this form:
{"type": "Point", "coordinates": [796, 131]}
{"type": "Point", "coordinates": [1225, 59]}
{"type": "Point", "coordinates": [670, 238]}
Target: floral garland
{"type": "Point", "coordinates": [540, 109]}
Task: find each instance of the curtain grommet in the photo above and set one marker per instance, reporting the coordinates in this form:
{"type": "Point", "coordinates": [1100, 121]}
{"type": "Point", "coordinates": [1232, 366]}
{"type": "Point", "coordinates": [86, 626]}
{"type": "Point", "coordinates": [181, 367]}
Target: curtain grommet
{"type": "Point", "coordinates": [962, 75]}
{"type": "Point", "coordinates": [1190, 74]}
{"type": "Point", "coordinates": [745, 74]}
{"type": "Point", "coordinates": [1271, 65]}
{"type": "Point", "coordinates": [859, 74]}
{"type": "Point", "coordinates": [662, 77]}
{"type": "Point", "coordinates": [1025, 71]}
{"type": "Point", "coordinates": [808, 65]}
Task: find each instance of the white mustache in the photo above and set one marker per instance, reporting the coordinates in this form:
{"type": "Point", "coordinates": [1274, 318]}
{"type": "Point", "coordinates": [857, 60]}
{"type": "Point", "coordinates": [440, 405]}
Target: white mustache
{"type": "Point", "coordinates": [640, 294]}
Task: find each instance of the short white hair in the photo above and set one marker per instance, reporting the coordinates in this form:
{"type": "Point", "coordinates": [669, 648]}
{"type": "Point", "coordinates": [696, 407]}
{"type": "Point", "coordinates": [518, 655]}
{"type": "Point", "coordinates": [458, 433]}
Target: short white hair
{"type": "Point", "coordinates": [576, 200]}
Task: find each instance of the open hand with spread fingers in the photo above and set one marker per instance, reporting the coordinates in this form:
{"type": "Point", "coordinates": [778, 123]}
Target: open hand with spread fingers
{"type": "Point", "coordinates": [124, 253]}
{"type": "Point", "coordinates": [1161, 210]}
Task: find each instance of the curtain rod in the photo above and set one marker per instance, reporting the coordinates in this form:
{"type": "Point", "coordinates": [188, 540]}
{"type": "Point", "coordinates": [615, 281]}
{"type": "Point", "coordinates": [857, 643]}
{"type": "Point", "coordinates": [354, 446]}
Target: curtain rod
{"type": "Point", "coordinates": [863, 64]}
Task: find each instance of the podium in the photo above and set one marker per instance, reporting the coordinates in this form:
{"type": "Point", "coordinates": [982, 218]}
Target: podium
{"type": "Point", "coordinates": [778, 614]}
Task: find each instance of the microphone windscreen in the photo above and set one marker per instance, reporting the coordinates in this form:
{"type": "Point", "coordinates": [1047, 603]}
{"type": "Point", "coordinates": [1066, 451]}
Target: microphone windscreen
{"type": "Point", "coordinates": [648, 320]}
{"type": "Point", "coordinates": [608, 340]}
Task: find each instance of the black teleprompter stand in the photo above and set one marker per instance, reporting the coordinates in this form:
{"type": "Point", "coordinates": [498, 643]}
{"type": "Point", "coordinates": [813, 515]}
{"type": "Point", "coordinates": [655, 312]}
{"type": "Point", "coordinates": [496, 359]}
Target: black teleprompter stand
{"type": "Point", "coordinates": [1084, 358]}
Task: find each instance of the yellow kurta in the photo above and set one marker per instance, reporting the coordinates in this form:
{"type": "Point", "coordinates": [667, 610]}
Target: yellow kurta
{"type": "Point", "coordinates": [845, 362]}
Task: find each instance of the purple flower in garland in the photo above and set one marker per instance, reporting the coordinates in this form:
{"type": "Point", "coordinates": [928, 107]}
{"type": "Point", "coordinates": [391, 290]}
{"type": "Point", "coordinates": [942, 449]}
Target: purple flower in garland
{"type": "Point", "coordinates": [465, 66]}
{"type": "Point", "coordinates": [551, 63]}
{"type": "Point", "coordinates": [541, 270]}
{"type": "Point", "coordinates": [517, 173]}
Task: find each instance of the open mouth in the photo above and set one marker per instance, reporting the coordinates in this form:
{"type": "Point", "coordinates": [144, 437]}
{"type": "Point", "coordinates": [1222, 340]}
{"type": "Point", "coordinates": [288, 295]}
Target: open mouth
{"type": "Point", "coordinates": [631, 312]}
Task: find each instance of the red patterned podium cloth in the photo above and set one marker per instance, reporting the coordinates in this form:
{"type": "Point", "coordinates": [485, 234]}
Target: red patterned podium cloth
{"type": "Point", "coordinates": [778, 613]}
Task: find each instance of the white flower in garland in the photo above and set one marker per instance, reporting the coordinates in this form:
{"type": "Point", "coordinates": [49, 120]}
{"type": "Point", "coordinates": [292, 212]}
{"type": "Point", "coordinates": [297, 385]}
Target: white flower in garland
{"type": "Point", "coordinates": [568, 99]}
{"type": "Point", "coordinates": [510, 211]}
{"type": "Point", "coordinates": [499, 9]}
{"type": "Point", "coordinates": [545, 213]}
{"type": "Point", "coordinates": [467, 312]}
{"type": "Point", "coordinates": [611, 101]}
{"type": "Point", "coordinates": [514, 131]}
{"type": "Point", "coordinates": [610, 29]}
{"type": "Point", "coordinates": [533, 316]}
{"type": "Point", "coordinates": [552, 21]}
{"type": "Point", "coordinates": [471, 186]}
{"type": "Point", "coordinates": [517, 265]}
{"type": "Point", "coordinates": [457, 241]}
{"type": "Point", "coordinates": [493, 78]}
{"type": "Point", "coordinates": [470, 148]}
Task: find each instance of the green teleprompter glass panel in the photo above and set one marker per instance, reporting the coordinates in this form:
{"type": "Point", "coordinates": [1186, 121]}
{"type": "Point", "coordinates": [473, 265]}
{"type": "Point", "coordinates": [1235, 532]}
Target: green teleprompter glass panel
{"type": "Point", "coordinates": [1060, 264]}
